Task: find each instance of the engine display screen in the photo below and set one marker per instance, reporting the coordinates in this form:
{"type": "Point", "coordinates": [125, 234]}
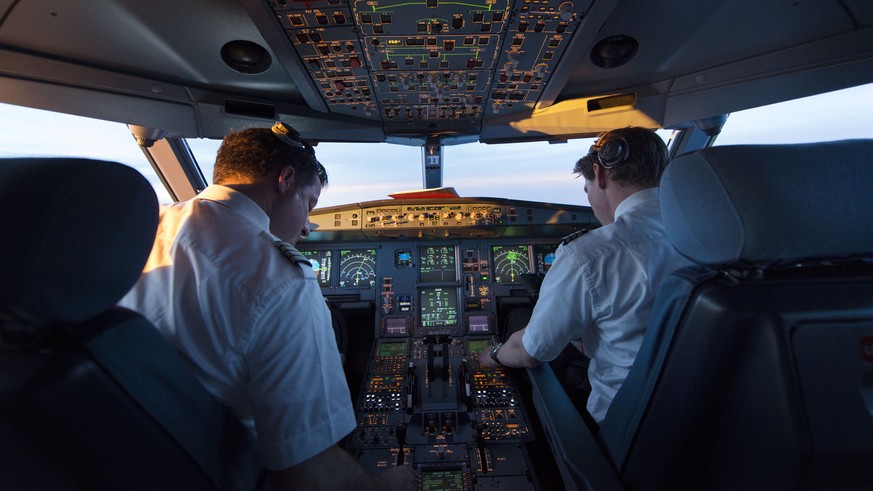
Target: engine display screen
{"type": "Point", "coordinates": [437, 264]}
{"type": "Point", "coordinates": [439, 307]}
{"type": "Point", "coordinates": [321, 261]}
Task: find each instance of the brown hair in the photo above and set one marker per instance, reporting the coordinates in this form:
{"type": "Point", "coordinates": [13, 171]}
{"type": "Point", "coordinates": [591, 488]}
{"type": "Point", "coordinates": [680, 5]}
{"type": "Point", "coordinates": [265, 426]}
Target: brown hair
{"type": "Point", "coordinates": [645, 162]}
{"type": "Point", "coordinates": [251, 154]}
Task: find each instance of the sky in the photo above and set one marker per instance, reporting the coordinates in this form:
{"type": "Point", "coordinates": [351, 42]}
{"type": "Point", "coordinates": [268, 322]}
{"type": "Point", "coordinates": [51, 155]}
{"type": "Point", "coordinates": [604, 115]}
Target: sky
{"type": "Point", "coordinates": [362, 172]}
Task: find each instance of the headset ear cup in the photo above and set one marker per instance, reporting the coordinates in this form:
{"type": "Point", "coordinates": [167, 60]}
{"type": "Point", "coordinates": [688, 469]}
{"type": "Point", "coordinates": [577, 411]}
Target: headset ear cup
{"type": "Point", "coordinates": [614, 152]}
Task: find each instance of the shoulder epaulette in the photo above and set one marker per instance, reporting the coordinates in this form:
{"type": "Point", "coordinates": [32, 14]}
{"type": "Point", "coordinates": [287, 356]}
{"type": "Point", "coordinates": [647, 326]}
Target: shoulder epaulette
{"type": "Point", "coordinates": [579, 233]}
{"type": "Point", "coordinates": [291, 253]}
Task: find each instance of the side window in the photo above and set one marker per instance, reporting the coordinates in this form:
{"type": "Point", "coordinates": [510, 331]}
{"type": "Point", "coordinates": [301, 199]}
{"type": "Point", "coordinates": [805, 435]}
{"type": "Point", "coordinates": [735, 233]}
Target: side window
{"type": "Point", "coordinates": [26, 132]}
{"type": "Point", "coordinates": [839, 115]}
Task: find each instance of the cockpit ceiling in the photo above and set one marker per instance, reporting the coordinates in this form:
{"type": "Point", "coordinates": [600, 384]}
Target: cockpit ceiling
{"type": "Point", "coordinates": [387, 70]}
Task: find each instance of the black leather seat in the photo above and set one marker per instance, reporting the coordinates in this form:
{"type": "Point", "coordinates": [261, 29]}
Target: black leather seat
{"type": "Point", "coordinates": [91, 396]}
{"type": "Point", "coordinates": [756, 371]}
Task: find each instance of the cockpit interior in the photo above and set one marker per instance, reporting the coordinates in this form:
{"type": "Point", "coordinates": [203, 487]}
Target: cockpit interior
{"type": "Point", "coordinates": [758, 369]}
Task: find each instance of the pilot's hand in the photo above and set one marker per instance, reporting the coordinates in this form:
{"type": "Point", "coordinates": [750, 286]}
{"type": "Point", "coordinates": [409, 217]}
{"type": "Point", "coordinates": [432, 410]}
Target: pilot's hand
{"type": "Point", "coordinates": [400, 478]}
{"type": "Point", "coordinates": [485, 359]}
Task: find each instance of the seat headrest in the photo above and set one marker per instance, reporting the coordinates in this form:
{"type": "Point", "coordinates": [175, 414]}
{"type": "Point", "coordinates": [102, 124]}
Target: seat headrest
{"type": "Point", "coordinates": [771, 203]}
{"type": "Point", "coordinates": [76, 235]}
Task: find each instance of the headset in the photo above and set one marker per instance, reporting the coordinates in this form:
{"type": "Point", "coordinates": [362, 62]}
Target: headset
{"type": "Point", "coordinates": [611, 153]}
{"type": "Point", "coordinates": [290, 136]}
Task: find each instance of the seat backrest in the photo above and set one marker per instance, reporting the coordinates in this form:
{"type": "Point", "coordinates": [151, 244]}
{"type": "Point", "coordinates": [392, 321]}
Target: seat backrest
{"type": "Point", "coordinates": [92, 396]}
{"type": "Point", "coordinates": [757, 368]}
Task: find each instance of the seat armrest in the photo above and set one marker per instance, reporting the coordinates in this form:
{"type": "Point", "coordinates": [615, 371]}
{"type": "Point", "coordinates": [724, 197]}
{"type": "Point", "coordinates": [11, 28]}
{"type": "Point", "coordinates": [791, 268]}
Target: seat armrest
{"type": "Point", "coordinates": [580, 459]}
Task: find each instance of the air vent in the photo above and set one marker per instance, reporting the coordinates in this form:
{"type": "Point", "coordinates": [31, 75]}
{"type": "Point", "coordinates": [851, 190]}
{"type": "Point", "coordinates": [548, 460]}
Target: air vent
{"type": "Point", "coordinates": [613, 101]}
{"type": "Point", "coordinates": [250, 109]}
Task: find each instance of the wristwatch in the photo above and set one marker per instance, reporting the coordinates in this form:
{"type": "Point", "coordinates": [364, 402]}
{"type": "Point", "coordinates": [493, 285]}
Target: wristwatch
{"type": "Point", "coordinates": [494, 350]}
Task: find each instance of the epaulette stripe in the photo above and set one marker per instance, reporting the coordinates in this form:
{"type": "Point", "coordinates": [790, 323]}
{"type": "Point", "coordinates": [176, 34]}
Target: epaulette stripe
{"type": "Point", "coordinates": [579, 233]}
{"type": "Point", "coordinates": [292, 253]}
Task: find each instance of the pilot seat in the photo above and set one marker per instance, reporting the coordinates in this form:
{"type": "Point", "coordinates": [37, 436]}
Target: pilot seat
{"type": "Point", "coordinates": [756, 371]}
{"type": "Point", "coordinates": [91, 395]}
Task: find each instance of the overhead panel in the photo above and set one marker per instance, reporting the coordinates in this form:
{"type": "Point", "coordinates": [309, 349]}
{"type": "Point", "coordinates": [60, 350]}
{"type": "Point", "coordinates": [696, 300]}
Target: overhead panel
{"type": "Point", "coordinates": [419, 65]}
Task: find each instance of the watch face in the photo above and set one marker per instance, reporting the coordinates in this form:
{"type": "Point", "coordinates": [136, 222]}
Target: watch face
{"type": "Point", "coordinates": [494, 350]}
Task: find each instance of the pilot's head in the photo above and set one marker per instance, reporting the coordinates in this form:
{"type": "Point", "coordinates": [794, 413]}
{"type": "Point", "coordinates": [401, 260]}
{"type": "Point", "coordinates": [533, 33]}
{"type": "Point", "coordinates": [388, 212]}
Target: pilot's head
{"type": "Point", "coordinates": [633, 156]}
{"type": "Point", "coordinates": [278, 171]}
{"type": "Point", "coordinates": [621, 162]}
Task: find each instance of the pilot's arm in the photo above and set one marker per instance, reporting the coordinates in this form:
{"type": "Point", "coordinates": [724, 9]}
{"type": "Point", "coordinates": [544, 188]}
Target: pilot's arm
{"type": "Point", "coordinates": [564, 308]}
{"type": "Point", "coordinates": [510, 354]}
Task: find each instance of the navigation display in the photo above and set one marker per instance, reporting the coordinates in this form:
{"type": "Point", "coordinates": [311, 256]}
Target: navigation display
{"type": "Point", "coordinates": [357, 268]}
{"type": "Point", "coordinates": [439, 307]}
{"type": "Point", "coordinates": [437, 264]}
{"type": "Point", "coordinates": [510, 262]}
{"type": "Point", "coordinates": [321, 263]}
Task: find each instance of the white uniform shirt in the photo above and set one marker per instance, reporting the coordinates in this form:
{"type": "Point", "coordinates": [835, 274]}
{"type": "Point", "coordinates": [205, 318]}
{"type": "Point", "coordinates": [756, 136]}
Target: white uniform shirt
{"type": "Point", "coordinates": [600, 290]}
{"type": "Point", "coordinates": [251, 323]}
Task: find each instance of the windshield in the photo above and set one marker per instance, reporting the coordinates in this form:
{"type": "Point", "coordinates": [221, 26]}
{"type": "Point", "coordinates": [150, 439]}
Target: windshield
{"type": "Point", "coordinates": [357, 172]}
{"type": "Point", "coordinates": [362, 172]}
